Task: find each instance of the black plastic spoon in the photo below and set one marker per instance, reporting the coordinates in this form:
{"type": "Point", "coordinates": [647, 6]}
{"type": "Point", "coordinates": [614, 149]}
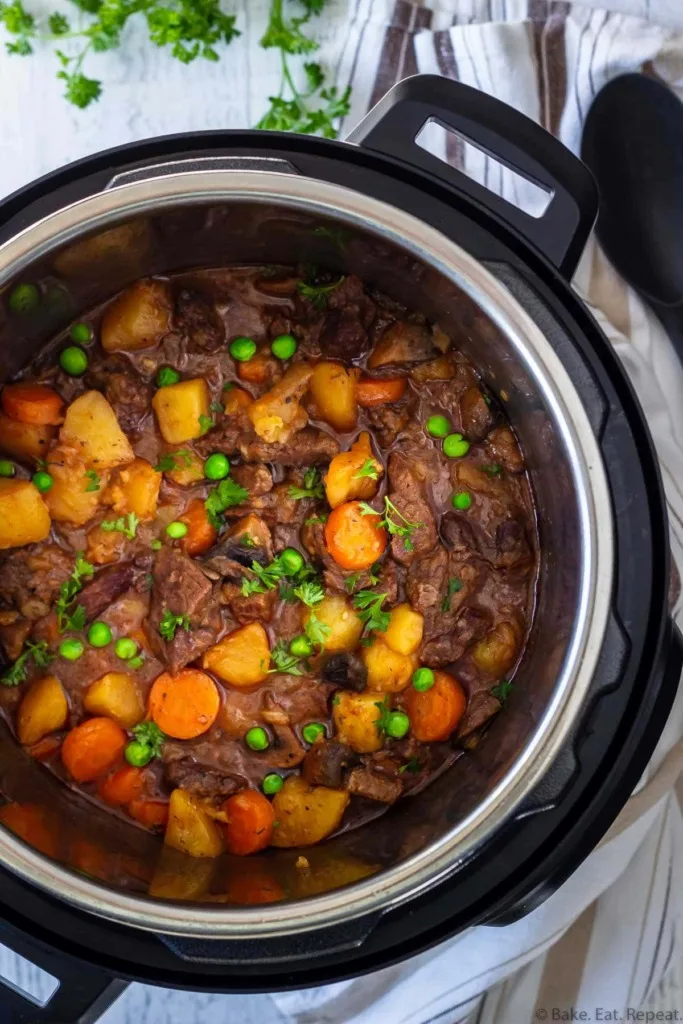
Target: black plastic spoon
{"type": "Point", "coordinates": [633, 143]}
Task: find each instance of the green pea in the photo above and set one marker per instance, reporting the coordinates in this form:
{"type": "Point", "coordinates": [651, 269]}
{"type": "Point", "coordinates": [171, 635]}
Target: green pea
{"type": "Point", "coordinates": [7, 468]}
{"type": "Point", "coordinates": [176, 530]}
{"type": "Point", "coordinates": [301, 646]}
{"type": "Point", "coordinates": [24, 298]}
{"type": "Point", "coordinates": [71, 649]}
{"type": "Point", "coordinates": [461, 500]}
{"type": "Point", "coordinates": [167, 376]}
{"type": "Point", "coordinates": [455, 446]}
{"type": "Point", "coordinates": [272, 784]}
{"type": "Point", "coordinates": [437, 426]}
{"type": "Point", "coordinates": [423, 679]}
{"type": "Point", "coordinates": [82, 333]}
{"type": "Point", "coordinates": [138, 754]}
{"type": "Point", "coordinates": [99, 634]}
{"type": "Point", "coordinates": [125, 648]}
{"type": "Point", "coordinates": [257, 738]}
{"type": "Point", "coordinates": [242, 349]}
{"type": "Point", "coordinates": [216, 467]}
{"type": "Point", "coordinates": [73, 361]}
{"type": "Point", "coordinates": [292, 561]}
{"type": "Point", "coordinates": [284, 346]}
{"type": "Point", "coordinates": [397, 725]}
{"type": "Point", "coordinates": [312, 731]}
{"type": "Point", "coordinates": [42, 482]}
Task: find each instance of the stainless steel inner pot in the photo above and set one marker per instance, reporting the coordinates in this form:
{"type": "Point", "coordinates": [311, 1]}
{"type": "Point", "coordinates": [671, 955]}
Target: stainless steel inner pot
{"type": "Point", "coordinates": [204, 214]}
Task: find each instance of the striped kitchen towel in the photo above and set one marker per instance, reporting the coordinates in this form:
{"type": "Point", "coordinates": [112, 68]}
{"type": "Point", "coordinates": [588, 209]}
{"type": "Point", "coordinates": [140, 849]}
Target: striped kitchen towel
{"type": "Point", "coordinates": [609, 940]}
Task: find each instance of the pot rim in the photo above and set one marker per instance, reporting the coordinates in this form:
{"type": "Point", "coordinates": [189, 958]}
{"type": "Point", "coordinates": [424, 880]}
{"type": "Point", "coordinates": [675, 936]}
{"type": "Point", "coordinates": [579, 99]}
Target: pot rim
{"type": "Point", "coordinates": [432, 864]}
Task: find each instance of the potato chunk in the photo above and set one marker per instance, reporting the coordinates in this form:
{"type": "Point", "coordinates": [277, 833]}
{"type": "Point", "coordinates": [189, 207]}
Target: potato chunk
{"type": "Point", "coordinates": [115, 696]}
{"type": "Point", "coordinates": [342, 619]}
{"type": "Point", "coordinates": [334, 391]}
{"type": "Point", "coordinates": [277, 414]}
{"type": "Point", "coordinates": [179, 408]}
{"type": "Point", "coordinates": [190, 829]}
{"type": "Point", "coordinates": [68, 500]}
{"type": "Point", "coordinates": [92, 431]}
{"type": "Point", "coordinates": [242, 658]}
{"type": "Point", "coordinates": [404, 632]}
{"type": "Point", "coordinates": [353, 474]}
{"type": "Point", "coordinates": [306, 814]}
{"type": "Point", "coordinates": [138, 318]}
{"type": "Point", "coordinates": [188, 468]}
{"type": "Point", "coordinates": [26, 442]}
{"type": "Point", "coordinates": [178, 878]}
{"type": "Point", "coordinates": [496, 652]}
{"type": "Point", "coordinates": [43, 710]}
{"type": "Point", "coordinates": [388, 672]}
{"type": "Point", "coordinates": [356, 716]}
{"type": "Point", "coordinates": [24, 516]}
{"type": "Point", "coordinates": [136, 489]}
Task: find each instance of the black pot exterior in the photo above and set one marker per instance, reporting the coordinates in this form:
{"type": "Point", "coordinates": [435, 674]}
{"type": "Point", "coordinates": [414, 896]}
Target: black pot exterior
{"type": "Point", "coordinates": [641, 659]}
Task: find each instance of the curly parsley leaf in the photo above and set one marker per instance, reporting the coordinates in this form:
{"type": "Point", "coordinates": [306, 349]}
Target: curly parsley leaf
{"type": "Point", "coordinates": [313, 486]}
{"type": "Point", "coordinates": [127, 525]}
{"type": "Point", "coordinates": [284, 661]}
{"type": "Point", "coordinates": [170, 460]}
{"type": "Point", "coordinates": [316, 631]}
{"type": "Point", "coordinates": [393, 521]}
{"type": "Point", "coordinates": [68, 616]}
{"type": "Point", "coordinates": [454, 585]}
{"type": "Point", "coordinates": [18, 672]}
{"type": "Point", "coordinates": [93, 481]}
{"type": "Point", "coordinates": [310, 593]}
{"type": "Point", "coordinates": [412, 766]}
{"type": "Point", "coordinates": [170, 623]}
{"type": "Point", "coordinates": [369, 608]}
{"type": "Point", "coordinates": [318, 294]}
{"type": "Point", "coordinates": [385, 713]}
{"type": "Point", "coordinates": [502, 690]}
{"type": "Point", "coordinates": [151, 736]}
{"type": "Point", "coordinates": [368, 469]}
{"type": "Point", "coordinates": [227, 494]}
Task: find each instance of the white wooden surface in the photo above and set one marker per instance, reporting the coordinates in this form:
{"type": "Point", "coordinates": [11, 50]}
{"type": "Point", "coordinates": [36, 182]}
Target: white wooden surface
{"type": "Point", "coordinates": [146, 94]}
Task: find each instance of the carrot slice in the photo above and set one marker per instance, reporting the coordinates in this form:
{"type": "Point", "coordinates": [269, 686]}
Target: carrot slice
{"type": "Point", "coordinates": [372, 391]}
{"type": "Point", "coordinates": [236, 400]}
{"type": "Point", "coordinates": [250, 822]}
{"type": "Point", "coordinates": [33, 403]}
{"type": "Point", "coordinates": [90, 858]}
{"type": "Point", "coordinates": [32, 824]}
{"type": "Point", "coordinates": [92, 748]}
{"type": "Point", "coordinates": [186, 705]}
{"type": "Point", "coordinates": [121, 786]}
{"type": "Point", "coordinates": [354, 540]}
{"type": "Point", "coordinates": [257, 370]}
{"type": "Point", "coordinates": [150, 813]}
{"type": "Point", "coordinates": [435, 713]}
{"type": "Point", "coordinates": [201, 533]}
{"type": "Point", "coordinates": [253, 883]}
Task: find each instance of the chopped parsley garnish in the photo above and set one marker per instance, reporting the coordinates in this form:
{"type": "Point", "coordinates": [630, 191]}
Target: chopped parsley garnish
{"type": "Point", "coordinates": [18, 672]}
{"type": "Point", "coordinates": [127, 525]}
{"type": "Point", "coordinates": [317, 631]}
{"type": "Point", "coordinates": [310, 593]}
{"type": "Point", "coordinates": [385, 713]}
{"type": "Point", "coordinates": [93, 481]}
{"type": "Point", "coordinates": [412, 766]}
{"type": "Point", "coordinates": [284, 661]}
{"type": "Point", "coordinates": [393, 521]}
{"type": "Point", "coordinates": [494, 469]}
{"type": "Point", "coordinates": [312, 520]}
{"type": "Point", "coordinates": [313, 486]}
{"type": "Point", "coordinates": [225, 495]}
{"type": "Point", "coordinates": [318, 294]}
{"type": "Point", "coordinates": [151, 735]}
{"type": "Point", "coordinates": [369, 608]}
{"type": "Point", "coordinates": [69, 617]}
{"type": "Point", "coordinates": [205, 423]}
{"type": "Point", "coordinates": [302, 584]}
{"type": "Point", "coordinates": [454, 585]}
{"type": "Point", "coordinates": [502, 690]}
{"type": "Point", "coordinates": [216, 407]}
{"type": "Point", "coordinates": [168, 462]}
{"type": "Point", "coordinates": [137, 661]}
{"type": "Point", "coordinates": [368, 469]}
{"type": "Point", "coordinates": [247, 541]}
{"type": "Point", "coordinates": [170, 623]}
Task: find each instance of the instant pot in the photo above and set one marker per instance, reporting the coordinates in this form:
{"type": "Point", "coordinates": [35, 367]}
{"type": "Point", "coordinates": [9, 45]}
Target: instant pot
{"type": "Point", "coordinates": [496, 834]}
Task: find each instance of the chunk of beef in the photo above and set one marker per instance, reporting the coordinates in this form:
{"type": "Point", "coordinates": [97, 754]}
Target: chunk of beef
{"type": "Point", "coordinates": [374, 785]}
{"type": "Point", "coordinates": [250, 608]}
{"type": "Point", "coordinates": [248, 540]}
{"type": "Point", "coordinates": [427, 588]}
{"type": "Point", "coordinates": [481, 707]}
{"type": "Point", "coordinates": [345, 670]}
{"type": "Point", "coordinates": [310, 447]}
{"type": "Point", "coordinates": [210, 768]}
{"type": "Point", "coordinates": [403, 342]}
{"type": "Point", "coordinates": [389, 421]}
{"type": "Point", "coordinates": [409, 494]}
{"type": "Point", "coordinates": [325, 762]}
{"type": "Point", "coordinates": [224, 437]}
{"type": "Point", "coordinates": [197, 318]}
{"type": "Point", "coordinates": [14, 633]}
{"type": "Point", "coordinates": [126, 392]}
{"type": "Point", "coordinates": [181, 588]}
{"type": "Point", "coordinates": [446, 648]}
{"type": "Point", "coordinates": [254, 477]}
{"type": "Point", "coordinates": [106, 587]}
{"type": "Point", "coordinates": [31, 578]}
{"type": "Point", "coordinates": [350, 314]}
{"type": "Point", "coordinates": [475, 414]}
{"type": "Point", "coordinates": [501, 445]}
{"type": "Point", "coordinates": [495, 523]}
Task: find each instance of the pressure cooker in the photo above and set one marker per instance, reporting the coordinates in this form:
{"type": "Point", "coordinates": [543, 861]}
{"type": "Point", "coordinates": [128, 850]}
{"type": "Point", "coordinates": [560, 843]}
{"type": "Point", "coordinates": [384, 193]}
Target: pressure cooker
{"type": "Point", "coordinates": [488, 841]}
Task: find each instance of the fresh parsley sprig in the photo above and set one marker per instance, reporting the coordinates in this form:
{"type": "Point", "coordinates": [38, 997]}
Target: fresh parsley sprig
{"type": "Point", "coordinates": [284, 661]}
{"type": "Point", "coordinates": [127, 525]}
{"type": "Point", "coordinates": [318, 294]}
{"type": "Point", "coordinates": [93, 481]}
{"type": "Point", "coordinates": [310, 593]}
{"type": "Point", "coordinates": [368, 469]}
{"type": "Point", "coordinates": [454, 585]}
{"type": "Point", "coordinates": [502, 690]}
{"type": "Point", "coordinates": [393, 521]}
{"type": "Point", "coordinates": [170, 623]}
{"type": "Point", "coordinates": [169, 461]}
{"type": "Point", "coordinates": [227, 494]}
{"type": "Point", "coordinates": [68, 616]}
{"type": "Point", "coordinates": [313, 486]}
{"type": "Point", "coordinates": [368, 604]}
{"type": "Point", "coordinates": [317, 631]}
{"type": "Point", "coordinates": [18, 672]}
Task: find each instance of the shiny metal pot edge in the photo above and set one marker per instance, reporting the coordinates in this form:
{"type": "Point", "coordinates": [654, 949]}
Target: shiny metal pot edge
{"type": "Point", "coordinates": [424, 869]}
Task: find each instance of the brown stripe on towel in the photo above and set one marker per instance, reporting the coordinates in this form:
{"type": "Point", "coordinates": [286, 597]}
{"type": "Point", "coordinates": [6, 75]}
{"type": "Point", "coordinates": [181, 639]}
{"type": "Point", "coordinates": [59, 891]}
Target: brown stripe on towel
{"type": "Point", "coordinates": [548, 27]}
{"type": "Point", "coordinates": [397, 59]}
{"type": "Point", "coordinates": [564, 964]}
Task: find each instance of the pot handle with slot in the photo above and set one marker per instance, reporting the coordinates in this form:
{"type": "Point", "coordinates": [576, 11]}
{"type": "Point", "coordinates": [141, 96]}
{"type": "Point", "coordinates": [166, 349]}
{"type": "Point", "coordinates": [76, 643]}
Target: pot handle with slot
{"type": "Point", "coordinates": [83, 995]}
{"type": "Point", "coordinates": [506, 135]}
